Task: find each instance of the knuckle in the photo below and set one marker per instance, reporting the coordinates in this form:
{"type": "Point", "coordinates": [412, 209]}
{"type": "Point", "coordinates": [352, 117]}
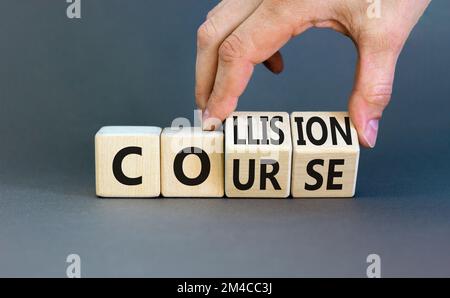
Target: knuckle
{"type": "Point", "coordinates": [379, 95]}
{"type": "Point", "coordinates": [292, 13]}
{"type": "Point", "coordinates": [231, 49]}
{"type": "Point", "coordinates": [206, 34]}
{"type": "Point", "coordinates": [278, 8]}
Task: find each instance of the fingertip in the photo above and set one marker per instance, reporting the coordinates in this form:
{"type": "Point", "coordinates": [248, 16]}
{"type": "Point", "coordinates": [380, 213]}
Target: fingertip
{"type": "Point", "coordinates": [365, 123]}
{"type": "Point", "coordinates": [217, 111]}
{"type": "Point", "coordinates": [210, 123]}
{"type": "Point", "coordinates": [206, 125]}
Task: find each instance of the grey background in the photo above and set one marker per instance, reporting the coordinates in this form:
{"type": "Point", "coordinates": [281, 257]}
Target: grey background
{"type": "Point", "coordinates": [132, 63]}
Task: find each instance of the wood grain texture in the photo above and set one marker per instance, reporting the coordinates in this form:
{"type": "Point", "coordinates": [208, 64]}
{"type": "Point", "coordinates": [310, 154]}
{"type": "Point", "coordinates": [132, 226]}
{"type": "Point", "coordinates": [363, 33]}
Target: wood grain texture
{"type": "Point", "coordinates": [322, 151]}
{"type": "Point", "coordinates": [253, 152]}
{"type": "Point", "coordinates": [111, 140]}
{"type": "Point", "coordinates": [198, 171]}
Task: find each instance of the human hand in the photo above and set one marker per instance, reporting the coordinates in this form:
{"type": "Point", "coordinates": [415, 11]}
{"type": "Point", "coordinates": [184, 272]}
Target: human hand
{"type": "Point", "coordinates": [238, 34]}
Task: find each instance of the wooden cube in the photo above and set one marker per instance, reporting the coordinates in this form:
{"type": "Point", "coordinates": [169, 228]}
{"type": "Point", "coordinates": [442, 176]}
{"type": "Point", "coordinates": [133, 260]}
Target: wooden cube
{"type": "Point", "coordinates": [326, 154]}
{"type": "Point", "coordinates": [192, 163]}
{"type": "Point", "coordinates": [127, 161]}
{"type": "Point", "coordinates": [258, 153]}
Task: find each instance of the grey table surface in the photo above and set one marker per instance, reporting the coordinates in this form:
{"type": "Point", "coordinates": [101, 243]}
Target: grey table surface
{"type": "Point", "coordinates": [133, 63]}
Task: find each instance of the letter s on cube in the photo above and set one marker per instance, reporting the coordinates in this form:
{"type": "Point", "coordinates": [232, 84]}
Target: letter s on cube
{"type": "Point", "coordinates": [127, 161]}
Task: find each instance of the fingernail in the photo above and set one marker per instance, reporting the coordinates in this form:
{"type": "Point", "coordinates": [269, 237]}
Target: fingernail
{"type": "Point", "coordinates": [371, 132]}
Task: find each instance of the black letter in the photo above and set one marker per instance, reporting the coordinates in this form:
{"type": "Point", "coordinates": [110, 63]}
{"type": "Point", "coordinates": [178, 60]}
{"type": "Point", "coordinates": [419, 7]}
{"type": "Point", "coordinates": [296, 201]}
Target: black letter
{"type": "Point", "coordinates": [333, 174]}
{"type": "Point", "coordinates": [324, 137]}
{"type": "Point", "coordinates": [312, 173]}
{"type": "Point", "coordinates": [301, 139]}
{"type": "Point", "coordinates": [251, 175]}
{"type": "Point", "coordinates": [264, 120]}
{"type": "Point", "coordinates": [117, 166]}
{"type": "Point", "coordinates": [271, 176]}
{"type": "Point", "coordinates": [277, 130]}
{"type": "Point", "coordinates": [347, 136]}
{"type": "Point", "coordinates": [251, 140]}
{"type": "Point", "coordinates": [178, 166]}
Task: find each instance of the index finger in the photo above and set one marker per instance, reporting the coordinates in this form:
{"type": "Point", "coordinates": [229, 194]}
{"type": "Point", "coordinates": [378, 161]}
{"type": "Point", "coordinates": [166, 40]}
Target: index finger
{"type": "Point", "coordinates": [253, 42]}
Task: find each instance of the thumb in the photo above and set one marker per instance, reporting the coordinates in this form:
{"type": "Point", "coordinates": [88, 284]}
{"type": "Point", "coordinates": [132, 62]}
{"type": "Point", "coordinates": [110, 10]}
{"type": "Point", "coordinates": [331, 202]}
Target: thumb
{"type": "Point", "coordinates": [372, 91]}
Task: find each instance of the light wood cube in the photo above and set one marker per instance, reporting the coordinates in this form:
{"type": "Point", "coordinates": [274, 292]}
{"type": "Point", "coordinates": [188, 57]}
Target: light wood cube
{"type": "Point", "coordinates": [192, 163]}
{"type": "Point", "coordinates": [127, 161]}
{"type": "Point", "coordinates": [258, 153]}
{"type": "Point", "coordinates": [326, 154]}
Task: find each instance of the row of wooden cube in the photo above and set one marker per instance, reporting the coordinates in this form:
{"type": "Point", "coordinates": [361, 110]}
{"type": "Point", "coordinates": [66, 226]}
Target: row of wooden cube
{"type": "Point", "coordinates": [266, 154]}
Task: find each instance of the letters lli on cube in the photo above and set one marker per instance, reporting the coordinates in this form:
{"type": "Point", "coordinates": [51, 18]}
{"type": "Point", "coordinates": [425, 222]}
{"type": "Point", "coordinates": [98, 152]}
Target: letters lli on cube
{"type": "Point", "coordinates": [257, 154]}
{"type": "Point", "coordinates": [192, 162]}
{"type": "Point", "coordinates": [326, 154]}
{"type": "Point", "coordinates": [127, 161]}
